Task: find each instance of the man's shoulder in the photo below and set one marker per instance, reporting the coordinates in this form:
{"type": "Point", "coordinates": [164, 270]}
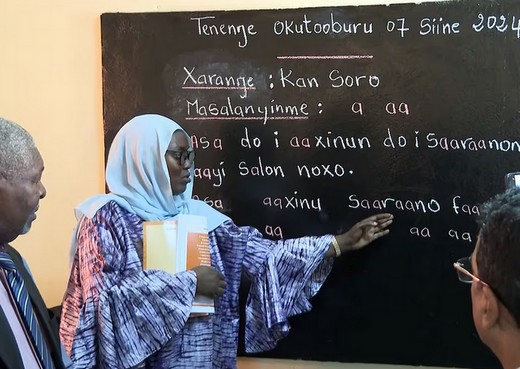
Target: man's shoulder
{"type": "Point", "coordinates": [14, 253]}
{"type": "Point", "coordinates": [19, 261]}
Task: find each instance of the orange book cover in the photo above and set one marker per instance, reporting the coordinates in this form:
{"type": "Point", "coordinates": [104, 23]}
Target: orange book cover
{"type": "Point", "coordinates": [177, 245]}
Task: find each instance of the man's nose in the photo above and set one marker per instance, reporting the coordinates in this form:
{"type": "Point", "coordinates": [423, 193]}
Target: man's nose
{"type": "Point", "coordinates": [43, 191]}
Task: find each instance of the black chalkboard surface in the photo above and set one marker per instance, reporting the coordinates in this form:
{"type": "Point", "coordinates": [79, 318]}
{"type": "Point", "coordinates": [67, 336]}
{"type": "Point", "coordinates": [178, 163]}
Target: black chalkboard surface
{"type": "Point", "coordinates": [307, 120]}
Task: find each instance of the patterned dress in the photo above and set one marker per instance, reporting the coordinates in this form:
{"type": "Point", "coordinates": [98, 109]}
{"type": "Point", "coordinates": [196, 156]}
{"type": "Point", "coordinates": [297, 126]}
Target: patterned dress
{"type": "Point", "coordinates": [117, 315]}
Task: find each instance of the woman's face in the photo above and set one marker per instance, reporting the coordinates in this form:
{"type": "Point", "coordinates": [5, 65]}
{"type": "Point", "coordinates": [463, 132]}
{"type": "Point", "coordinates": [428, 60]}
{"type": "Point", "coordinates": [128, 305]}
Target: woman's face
{"type": "Point", "coordinates": [178, 162]}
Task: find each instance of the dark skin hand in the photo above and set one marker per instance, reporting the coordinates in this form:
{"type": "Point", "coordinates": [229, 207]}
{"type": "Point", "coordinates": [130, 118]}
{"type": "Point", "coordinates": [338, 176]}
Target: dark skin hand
{"type": "Point", "coordinates": [210, 282]}
{"type": "Point", "coordinates": [362, 233]}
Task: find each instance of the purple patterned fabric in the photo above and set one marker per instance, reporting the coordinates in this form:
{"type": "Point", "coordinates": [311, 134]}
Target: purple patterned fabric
{"type": "Point", "coordinates": [117, 315]}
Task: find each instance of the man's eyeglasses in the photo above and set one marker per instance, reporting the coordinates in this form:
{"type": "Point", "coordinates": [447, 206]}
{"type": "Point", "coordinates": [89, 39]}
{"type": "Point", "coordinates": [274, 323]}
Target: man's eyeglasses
{"type": "Point", "coordinates": [465, 274]}
{"type": "Point", "coordinates": [465, 271]}
{"type": "Point", "coordinates": [182, 156]}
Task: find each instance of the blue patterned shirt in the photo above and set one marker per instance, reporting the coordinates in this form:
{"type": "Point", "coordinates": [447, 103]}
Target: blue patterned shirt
{"type": "Point", "coordinates": [117, 315]}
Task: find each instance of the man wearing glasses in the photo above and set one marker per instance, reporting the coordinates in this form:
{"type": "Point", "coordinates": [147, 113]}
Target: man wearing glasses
{"type": "Point", "coordinates": [494, 273]}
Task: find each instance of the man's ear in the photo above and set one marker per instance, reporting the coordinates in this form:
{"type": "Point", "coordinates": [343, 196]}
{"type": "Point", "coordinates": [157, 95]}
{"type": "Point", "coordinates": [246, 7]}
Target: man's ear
{"type": "Point", "coordinates": [489, 306]}
{"type": "Point", "coordinates": [5, 184]}
{"type": "Point", "coordinates": [3, 180]}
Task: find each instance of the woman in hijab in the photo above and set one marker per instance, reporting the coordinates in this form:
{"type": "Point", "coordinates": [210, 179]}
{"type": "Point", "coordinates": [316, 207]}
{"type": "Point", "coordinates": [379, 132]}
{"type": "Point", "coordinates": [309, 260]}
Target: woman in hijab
{"type": "Point", "coordinates": [117, 315]}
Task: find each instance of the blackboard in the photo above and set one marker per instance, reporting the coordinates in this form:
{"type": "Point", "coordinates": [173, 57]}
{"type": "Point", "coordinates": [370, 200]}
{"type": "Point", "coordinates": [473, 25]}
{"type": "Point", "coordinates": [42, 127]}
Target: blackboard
{"type": "Point", "coordinates": [307, 120]}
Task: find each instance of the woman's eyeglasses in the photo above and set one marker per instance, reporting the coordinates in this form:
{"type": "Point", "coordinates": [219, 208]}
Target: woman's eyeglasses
{"type": "Point", "coordinates": [182, 156]}
{"type": "Point", "coordinates": [465, 271]}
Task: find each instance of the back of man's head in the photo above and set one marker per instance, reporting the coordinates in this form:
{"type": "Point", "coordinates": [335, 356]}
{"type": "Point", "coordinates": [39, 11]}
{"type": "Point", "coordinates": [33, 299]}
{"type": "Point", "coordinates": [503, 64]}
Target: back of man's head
{"type": "Point", "coordinates": [16, 149]}
{"type": "Point", "coordinates": [498, 256]}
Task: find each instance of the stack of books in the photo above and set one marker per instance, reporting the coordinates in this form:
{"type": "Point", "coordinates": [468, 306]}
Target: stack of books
{"type": "Point", "coordinates": [177, 245]}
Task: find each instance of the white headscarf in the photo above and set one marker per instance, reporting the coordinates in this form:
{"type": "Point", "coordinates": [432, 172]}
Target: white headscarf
{"type": "Point", "coordinates": [138, 179]}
